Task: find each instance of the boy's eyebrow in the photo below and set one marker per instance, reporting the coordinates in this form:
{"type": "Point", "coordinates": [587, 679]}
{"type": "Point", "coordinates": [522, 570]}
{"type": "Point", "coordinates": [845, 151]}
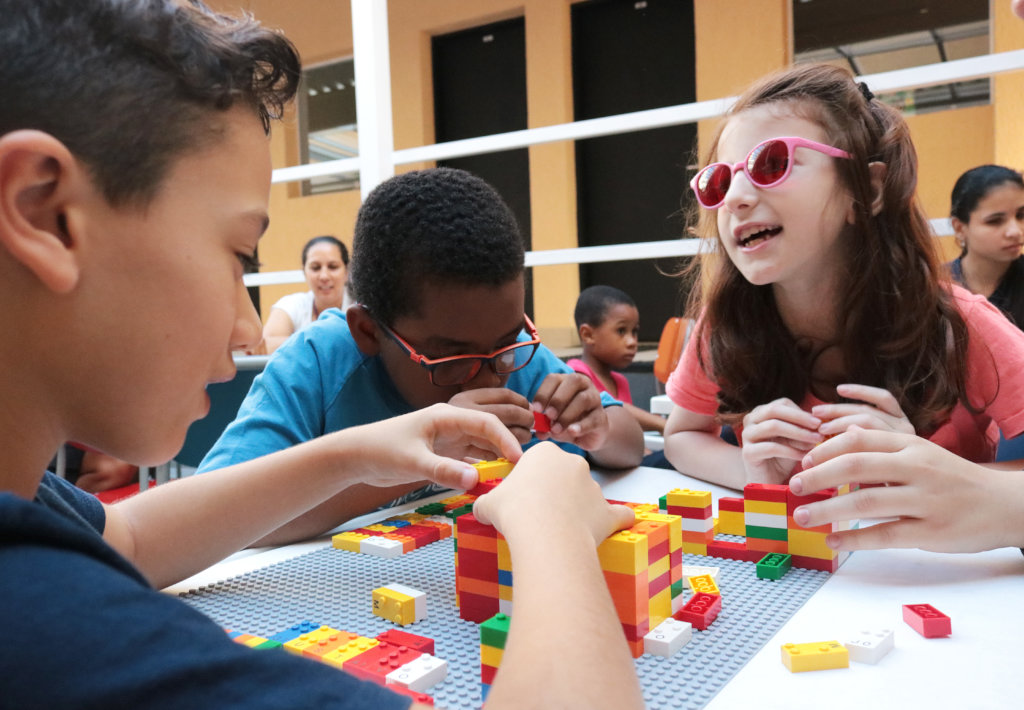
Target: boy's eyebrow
{"type": "Point", "coordinates": [442, 342]}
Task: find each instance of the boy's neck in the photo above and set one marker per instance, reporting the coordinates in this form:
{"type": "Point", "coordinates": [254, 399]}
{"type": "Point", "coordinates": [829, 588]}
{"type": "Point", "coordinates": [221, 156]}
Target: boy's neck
{"type": "Point", "coordinates": [602, 371]}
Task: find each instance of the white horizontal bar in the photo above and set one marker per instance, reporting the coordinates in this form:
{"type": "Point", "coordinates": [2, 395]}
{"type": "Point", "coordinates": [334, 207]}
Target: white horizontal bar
{"type": "Point", "coordinates": [579, 255]}
{"type": "Point", "coordinates": [927, 75]}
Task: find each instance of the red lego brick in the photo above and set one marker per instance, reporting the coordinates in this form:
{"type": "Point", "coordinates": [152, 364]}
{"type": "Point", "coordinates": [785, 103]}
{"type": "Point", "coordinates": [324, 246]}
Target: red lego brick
{"type": "Point", "coordinates": [397, 637]}
{"type": "Point", "coordinates": [487, 674]}
{"type": "Point", "coordinates": [541, 423]}
{"type": "Point", "coordinates": [701, 610]}
{"type": "Point", "coordinates": [730, 503]}
{"type": "Point", "coordinates": [476, 608]}
{"type": "Point", "coordinates": [691, 513]}
{"type": "Point", "coordinates": [663, 581]}
{"type": "Point", "coordinates": [421, 698]}
{"type": "Point", "coordinates": [657, 552]}
{"type": "Point", "coordinates": [927, 620]}
{"type": "Point", "coordinates": [484, 487]}
{"type": "Point", "coordinates": [801, 562]}
{"type": "Point", "coordinates": [793, 501]}
{"type": "Point", "coordinates": [765, 491]}
{"type": "Point", "coordinates": [734, 551]}
{"type": "Point", "coordinates": [467, 522]}
{"type": "Point", "coordinates": [478, 565]}
{"type": "Point", "coordinates": [375, 663]}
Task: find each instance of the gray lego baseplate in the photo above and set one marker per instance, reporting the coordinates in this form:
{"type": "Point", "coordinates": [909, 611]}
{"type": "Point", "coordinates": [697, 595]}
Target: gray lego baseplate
{"type": "Point", "coordinates": [333, 587]}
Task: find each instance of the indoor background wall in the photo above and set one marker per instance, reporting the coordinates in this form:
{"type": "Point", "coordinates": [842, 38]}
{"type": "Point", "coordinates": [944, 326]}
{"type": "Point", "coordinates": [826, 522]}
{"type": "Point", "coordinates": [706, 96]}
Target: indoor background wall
{"type": "Point", "coordinates": [948, 142]}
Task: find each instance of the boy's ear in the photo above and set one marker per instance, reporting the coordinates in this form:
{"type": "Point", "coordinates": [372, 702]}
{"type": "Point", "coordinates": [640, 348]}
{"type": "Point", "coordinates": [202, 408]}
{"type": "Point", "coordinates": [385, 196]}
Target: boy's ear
{"type": "Point", "coordinates": [586, 333]}
{"type": "Point", "coordinates": [364, 330]}
{"type": "Point", "coordinates": [37, 175]}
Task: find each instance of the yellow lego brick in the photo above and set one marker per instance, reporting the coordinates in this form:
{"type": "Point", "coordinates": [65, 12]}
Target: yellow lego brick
{"type": "Point", "coordinates": [660, 606]}
{"type": "Point", "coordinates": [348, 541]}
{"type": "Point", "coordinates": [504, 555]}
{"type": "Point", "coordinates": [714, 525]}
{"type": "Point", "coordinates": [675, 527]}
{"type": "Point", "coordinates": [806, 543]}
{"type": "Point", "coordinates": [340, 655]}
{"type": "Point", "coordinates": [688, 499]}
{"type": "Point", "coordinates": [694, 548]}
{"type": "Point", "coordinates": [824, 655]}
{"type": "Point", "coordinates": [253, 641]}
{"type": "Point", "coordinates": [658, 568]}
{"type": "Point", "coordinates": [491, 656]}
{"type": "Point", "coordinates": [394, 606]}
{"type": "Point", "coordinates": [767, 507]}
{"type": "Point", "coordinates": [645, 508]}
{"type": "Point", "coordinates": [487, 470]}
{"type": "Point", "coordinates": [505, 592]}
{"type": "Point", "coordinates": [298, 645]}
{"type": "Point", "coordinates": [703, 583]}
{"type": "Point", "coordinates": [623, 552]}
{"type": "Point", "coordinates": [381, 527]}
{"type": "Point", "coordinates": [731, 522]}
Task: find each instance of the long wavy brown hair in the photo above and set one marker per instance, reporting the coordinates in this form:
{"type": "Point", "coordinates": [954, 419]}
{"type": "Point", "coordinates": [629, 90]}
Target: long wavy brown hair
{"type": "Point", "coordinates": [896, 324]}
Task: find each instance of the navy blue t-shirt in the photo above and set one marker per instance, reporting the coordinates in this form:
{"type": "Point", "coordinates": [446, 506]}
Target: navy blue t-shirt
{"type": "Point", "coordinates": [81, 628]}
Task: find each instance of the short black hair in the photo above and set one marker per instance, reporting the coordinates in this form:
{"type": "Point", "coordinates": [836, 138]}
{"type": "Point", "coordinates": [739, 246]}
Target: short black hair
{"type": "Point", "coordinates": [437, 226]}
{"type": "Point", "coordinates": [595, 301]}
{"type": "Point", "coordinates": [974, 184]}
{"type": "Point", "coordinates": [325, 239]}
{"type": "Point", "coordinates": [129, 86]}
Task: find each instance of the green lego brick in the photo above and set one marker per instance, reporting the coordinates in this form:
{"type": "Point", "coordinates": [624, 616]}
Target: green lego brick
{"type": "Point", "coordinates": [431, 509]}
{"type": "Point", "coordinates": [761, 533]}
{"type": "Point", "coordinates": [677, 588]}
{"type": "Point", "coordinates": [494, 631]}
{"type": "Point", "coordinates": [663, 502]}
{"type": "Point", "coordinates": [461, 510]}
{"type": "Point", "coordinates": [269, 644]}
{"type": "Point", "coordinates": [774, 565]}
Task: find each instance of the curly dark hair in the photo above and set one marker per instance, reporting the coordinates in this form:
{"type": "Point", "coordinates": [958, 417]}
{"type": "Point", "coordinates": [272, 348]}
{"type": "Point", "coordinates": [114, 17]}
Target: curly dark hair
{"type": "Point", "coordinates": [594, 301]}
{"type": "Point", "coordinates": [129, 86]}
{"type": "Point", "coordinates": [438, 226]}
{"type": "Point", "coordinates": [898, 327]}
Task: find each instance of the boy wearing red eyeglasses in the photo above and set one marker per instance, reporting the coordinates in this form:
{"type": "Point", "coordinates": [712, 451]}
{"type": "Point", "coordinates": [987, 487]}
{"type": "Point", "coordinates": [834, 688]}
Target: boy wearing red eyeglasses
{"type": "Point", "coordinates": [437, 269]}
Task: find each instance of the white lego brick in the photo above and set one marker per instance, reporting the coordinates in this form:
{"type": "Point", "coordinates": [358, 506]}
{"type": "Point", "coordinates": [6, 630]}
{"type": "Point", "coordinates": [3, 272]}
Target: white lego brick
{"type": "Point", "coordinates": [505, 606]}
{"type": "Point", "coordinates": [678, 602]}
{"type": "Point", "coordinates": [440, 519]}
{"type": "Point", "coordinates": [668, 637]}
{"type": "Point", "coordinates": [419, 674]}
{"type": "Point", "coordinates": [698, 570]}
{"type": "Point", "coordinates": [419, 598]}
{"type": "Point", "coordinates": [381, 547]}
{"type": "Point", "coordinates": [765, 520]}
{"type": "Point", "coordinates": [870, 646]}
{"type": "Point", "coordinates": [693, 525]}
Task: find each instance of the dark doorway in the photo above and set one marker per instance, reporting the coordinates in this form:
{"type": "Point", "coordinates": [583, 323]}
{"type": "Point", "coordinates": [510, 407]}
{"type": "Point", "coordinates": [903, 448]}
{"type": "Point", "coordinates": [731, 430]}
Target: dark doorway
{"type": "Point", "coordinates": [480, 89]}
{"type": "Point", "coordinates": [630, 55]}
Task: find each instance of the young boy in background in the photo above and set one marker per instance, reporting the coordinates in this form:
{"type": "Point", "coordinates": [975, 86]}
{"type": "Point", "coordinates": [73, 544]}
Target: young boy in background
{"type": "Point", "coordinates": [608, 323]}
{"type": "Point", "coordinates": [129, 203]}
{"type": "Point", "coordinates": [437, 271]}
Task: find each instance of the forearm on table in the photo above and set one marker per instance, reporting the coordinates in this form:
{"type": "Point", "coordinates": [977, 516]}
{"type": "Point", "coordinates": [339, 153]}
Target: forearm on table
{"type": "Point", "coordinates": [562, 610]}
{"type": "Point", "coordinates": [704, 455]}
{"type": "Point", "coordinates": [647, 420]}
{"type": "Point", "coordinates": [350, 503]}
{"type": "Point", "coordinates": [182, 527]}
{"type": "Point", "coordinates": [624, 447]}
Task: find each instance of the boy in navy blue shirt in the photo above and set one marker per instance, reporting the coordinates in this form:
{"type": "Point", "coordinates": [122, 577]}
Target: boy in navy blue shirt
{"type": "Point", "coordinates": [134, 181]}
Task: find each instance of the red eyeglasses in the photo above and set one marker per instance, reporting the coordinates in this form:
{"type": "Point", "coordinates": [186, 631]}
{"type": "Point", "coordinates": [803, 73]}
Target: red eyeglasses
{"type": "Point", "coordinates": [460, 369]}
{"type": "Point", "coordinates": [767, 165]}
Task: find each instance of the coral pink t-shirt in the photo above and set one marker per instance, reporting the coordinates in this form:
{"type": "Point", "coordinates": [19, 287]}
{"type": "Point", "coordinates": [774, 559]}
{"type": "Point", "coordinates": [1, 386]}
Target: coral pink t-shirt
{"type": "Point", "coordinates": [995, 382]}
{"type": "Point", "coordinates": [621, 383]}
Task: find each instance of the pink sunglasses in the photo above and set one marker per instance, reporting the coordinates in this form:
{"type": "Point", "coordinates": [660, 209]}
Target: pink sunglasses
{"type": "Point", "coordinates": [767, 165]}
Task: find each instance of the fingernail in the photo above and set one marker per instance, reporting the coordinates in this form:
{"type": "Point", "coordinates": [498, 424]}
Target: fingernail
{"type": "Point", "coordinates": [806, 462]}
{"type": "Point", "coordinates": [535, 406]}
{"type": "Point", "coordinates": [551, 414]}
{"type": "Point", "coordinates": [797, 486]}
{"type": "Point", "coordinates": [556, 428]}
{"type": "Point", "coordinates": [470, 477]}
{"type": "Point", "coordinates": [801, 516]}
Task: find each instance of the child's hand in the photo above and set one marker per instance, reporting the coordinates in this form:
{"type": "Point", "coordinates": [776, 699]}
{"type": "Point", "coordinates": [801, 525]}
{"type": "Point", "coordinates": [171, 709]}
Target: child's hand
{"type": "Point", "coordinates": [775, 436]}
{"type": "Point", "coordinates": [941, 502]}
{"type": "Point", "coordinates": [430, 444]}
{"type": "Point", "coordinates": [510, 407]}
{"type": "Point", "coordinates": [573, 405]}
{"type": "Point", "coordinates": [550, 486]}
{"type": "Point", "coordinates": [880, 411]}
{"type": "Point", "coordinates": [100, 472]}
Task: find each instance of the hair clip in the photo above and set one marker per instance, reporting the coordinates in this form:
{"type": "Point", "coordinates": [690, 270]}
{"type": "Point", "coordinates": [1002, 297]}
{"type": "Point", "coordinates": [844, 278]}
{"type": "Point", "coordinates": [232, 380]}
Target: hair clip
{"type": "Point", "coordinates": [865, 91]}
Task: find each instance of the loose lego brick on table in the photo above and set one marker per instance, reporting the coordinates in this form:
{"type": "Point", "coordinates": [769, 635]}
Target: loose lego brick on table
{"type": "Point", "coordinates": [399, 604]}
{"type": "Point", "coordinates": [870, 646]}
{"type": "Point", "coordinates": [668, 637]}
{"type": "Point", "coordinates": [397, 637]}
{"type": "Point", "coordinates": [701, 610]}
{"type": "Point", "coordinates": [927, 620]}
{"type": "Point", "coordinates": [818, 656]}
{"type": "Point", "coordinates": [703, 584]}
{"type": "Point", "coordinates": [774, 565]}
{"type": "Point", "coordinates": [419, 674]}
{"type": "Point", "coordinates": [381, 547]}
{"type": "Point", "coordinates": [375, 663]}
{"type": "Point", "coordinates": [294, 631]}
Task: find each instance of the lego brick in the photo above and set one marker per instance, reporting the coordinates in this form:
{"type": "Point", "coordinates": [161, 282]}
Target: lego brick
{"type": "Point", "coordinates": [400, 604]}
{"type": "Point", "coordinates": [731, 523]}
{"type": "Point", "coordinates": [774, 565]}
{"type": "Point", "coordinates": [869, 646]}
{"type": "Point", "coordinates": [294, 631]}
{"type": "Point", "coordinates": [729, 550]}
{"type": "Point", "coordinates": [494, 631]}
{"type": "Point", "coordinates": [766, 491]}
{"type": "Point", "coordinates": [762, 545]}
{"type": "Point", "coordinates": [419, 674]}
{"type": "Point", "coordinates": [810, 544]}
{"type": "Point", "coordinates": [397, 637]}
{"type": "Point", "coordinates": [767, 533]}
{"type": "Point", "coordinates": [476, 608]}
{"type": "Point", "coordinates": [487, 674]}
{"type": "Point", "coordinates": [764, 520]}
{"type": "Point", "coordinates": [341, 655]}
{"type": "Point", "coordinates": [483, 487]}
{"type": "Point", "coordinates": [381, 547]}
{"type": "Point", "coordinates": [691, 513]}
{"type": "Point", "coordinates": [695, 570]}
{"type": "Point", "coordinates": [815, 563]}
{"type": "Point", "coordinates": [376, 662]}
{"type": "Point", "coordinates": [491, 656]}
{"type": "Point", "coordinates": [927, 620]}
{"type": "Point", "coordinates": [793, 501]}
{"type": "Point", "coordinates": [487, 470]}
{"type": "Point", "coordinates": [668, 637]}
{"type": "Point", "coordinates": [541, 423]}
{"type": "Point", "coordinates": [703, 584]}
{"type": "Point", "coordinates": [730, 503]}
{"type": "Point", "coordinates": [688, 498]}
{"type": "Point", "coordinates": [695, 548]}
{"type": "Point", "coordinates": [702, 525]}
{"type": "Point", "coordinates": [348, 541]}
{"type": "Point", "coordinates": [764, 507]}
{"type": "Point", "coordinates": [623, 552]}
{"type": "Point", "coordinates": [701, 610]}
{"type": "Point", "coordinates": [471, 541]}
{"type": "Point", "coordinates": [820, 656]}
{"type": "Point", "coordinates": [408, 543]}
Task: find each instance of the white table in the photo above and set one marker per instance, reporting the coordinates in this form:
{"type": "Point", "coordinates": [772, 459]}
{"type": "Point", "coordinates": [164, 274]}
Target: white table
{"type": "Point", "coordinates": [974, 667]}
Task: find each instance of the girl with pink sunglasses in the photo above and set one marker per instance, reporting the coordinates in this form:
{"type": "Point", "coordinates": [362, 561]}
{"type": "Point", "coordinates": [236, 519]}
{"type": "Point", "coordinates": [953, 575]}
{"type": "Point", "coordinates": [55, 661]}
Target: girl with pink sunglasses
{"type": "Point", "coordinates": [824, 305]}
